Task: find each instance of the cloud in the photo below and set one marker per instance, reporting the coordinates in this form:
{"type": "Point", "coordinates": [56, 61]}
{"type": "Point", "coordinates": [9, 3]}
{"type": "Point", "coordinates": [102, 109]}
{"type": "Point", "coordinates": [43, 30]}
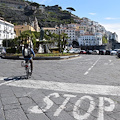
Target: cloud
{"type": "Point", "coordinates": [92, 13]}
{"type": "Point", "coordinates": [110, 18]}
{"type": "Point", "coordinates": [115, 27]}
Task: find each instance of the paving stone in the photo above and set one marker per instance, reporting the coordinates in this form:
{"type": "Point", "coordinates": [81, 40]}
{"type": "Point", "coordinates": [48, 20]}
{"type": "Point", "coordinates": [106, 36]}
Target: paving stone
{"type": "Point", "coordinates": [25, 100]}
{"type": "Point", "coordinates": [2, 117]}
{"type": "Point", "coordinates": [9, 100]}
{"type": "Point", "coordinates": [37, 117]}
{"type": "Point", "coordinates": [12, 106]}
{"type": "Point", "coordinates": [15, 114]}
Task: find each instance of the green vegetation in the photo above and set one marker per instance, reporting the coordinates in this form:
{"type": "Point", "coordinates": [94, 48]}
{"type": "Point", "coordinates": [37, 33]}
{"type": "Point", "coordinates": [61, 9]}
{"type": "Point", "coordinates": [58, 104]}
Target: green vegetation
{"type": "Point", "coordinates": [48, 16]}
{"type": "Point", "coordinates": [104, 40]}
{"type": "Point", "coordinates": [43, 55]}
{"type": "Point", "coordinates": [50, 39]}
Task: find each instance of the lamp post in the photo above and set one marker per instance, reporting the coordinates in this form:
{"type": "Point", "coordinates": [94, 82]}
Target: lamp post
{"type": "Point", "coordinates": [59, 39]}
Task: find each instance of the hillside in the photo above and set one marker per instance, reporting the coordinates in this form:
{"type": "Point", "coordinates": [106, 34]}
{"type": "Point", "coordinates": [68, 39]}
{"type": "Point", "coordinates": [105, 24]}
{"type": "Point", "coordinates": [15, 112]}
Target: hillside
{"type": "Point", "coordinates": [47, 16]}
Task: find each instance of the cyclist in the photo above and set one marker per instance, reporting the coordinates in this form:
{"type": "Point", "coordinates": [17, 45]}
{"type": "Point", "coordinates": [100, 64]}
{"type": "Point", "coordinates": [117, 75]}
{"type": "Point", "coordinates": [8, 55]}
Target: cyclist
{"type": "Point", "coordinates": [27, 51]}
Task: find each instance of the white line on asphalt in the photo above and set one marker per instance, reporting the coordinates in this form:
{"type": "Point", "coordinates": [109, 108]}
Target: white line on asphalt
{"type": "Point", "coordinates": [91, 67]}
{"type": "Point", "coordinates": [2, 78]}
{"type": "Point", "coordinates": [5, 82]}
{"type": "Point", "coordinates": [68, 87]}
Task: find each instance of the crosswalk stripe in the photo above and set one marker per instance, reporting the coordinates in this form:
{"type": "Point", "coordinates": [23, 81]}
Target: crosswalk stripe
{"type": "Point", "coordinates": [68, 87]}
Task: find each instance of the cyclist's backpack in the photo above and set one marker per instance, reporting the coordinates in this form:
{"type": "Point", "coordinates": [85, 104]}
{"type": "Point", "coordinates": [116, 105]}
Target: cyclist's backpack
{"type": "Point", "coordinates": [27, 52]}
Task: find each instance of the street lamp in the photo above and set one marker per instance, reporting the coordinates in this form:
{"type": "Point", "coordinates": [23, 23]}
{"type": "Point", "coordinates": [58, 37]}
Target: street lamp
{"type": "Point", "coordinates": [59, 43]}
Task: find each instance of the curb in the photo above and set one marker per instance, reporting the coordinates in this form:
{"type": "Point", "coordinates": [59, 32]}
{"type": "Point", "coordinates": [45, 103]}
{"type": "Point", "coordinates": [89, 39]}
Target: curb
{"type": "Point", "coordinates": [40, 58]}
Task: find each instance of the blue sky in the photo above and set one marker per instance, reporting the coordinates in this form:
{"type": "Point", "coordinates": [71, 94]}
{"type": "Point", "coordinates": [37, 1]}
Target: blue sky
{"type": "Point", "coordinates": [105, 12]}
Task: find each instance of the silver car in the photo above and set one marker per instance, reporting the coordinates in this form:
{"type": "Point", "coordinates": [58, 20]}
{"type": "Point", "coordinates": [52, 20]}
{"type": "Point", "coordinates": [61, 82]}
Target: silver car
{"type": "Point", "coordinates": [95, 52]}
{"type": "Point", "coordinates": [2, 51]}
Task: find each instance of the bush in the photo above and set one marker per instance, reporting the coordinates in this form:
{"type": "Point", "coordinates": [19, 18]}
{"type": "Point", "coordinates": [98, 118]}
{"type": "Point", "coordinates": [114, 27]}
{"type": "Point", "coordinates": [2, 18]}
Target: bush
{"type": "Point", "coordinates": [11, 50]}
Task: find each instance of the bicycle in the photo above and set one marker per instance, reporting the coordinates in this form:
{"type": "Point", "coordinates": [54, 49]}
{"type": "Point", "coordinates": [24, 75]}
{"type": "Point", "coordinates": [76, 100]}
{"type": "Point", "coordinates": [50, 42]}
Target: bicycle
{"type": "Point", "coordinates": [27, 66]}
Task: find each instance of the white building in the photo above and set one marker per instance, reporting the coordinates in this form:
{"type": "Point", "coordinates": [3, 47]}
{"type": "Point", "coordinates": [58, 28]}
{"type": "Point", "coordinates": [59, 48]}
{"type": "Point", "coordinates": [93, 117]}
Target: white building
{"type": "Point", "coordinates": [114, 36]}
{"type": "Point", "coordinates": [90, 39]}
{"type": "Point", "coordinates": [69, 31]}
{"type": "Point", "coordinates": [71, 35]}
{"type": "Point", "coordinates": [6, 31]}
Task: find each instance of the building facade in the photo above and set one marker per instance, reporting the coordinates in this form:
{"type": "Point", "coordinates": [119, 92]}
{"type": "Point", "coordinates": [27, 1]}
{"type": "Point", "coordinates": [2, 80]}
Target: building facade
{"type": "Point", "coordinates": [21, 28]}
{"type": "Point", "coordinates": [6, 31]}
{"type": "Point", "coordinates": [90, 40]}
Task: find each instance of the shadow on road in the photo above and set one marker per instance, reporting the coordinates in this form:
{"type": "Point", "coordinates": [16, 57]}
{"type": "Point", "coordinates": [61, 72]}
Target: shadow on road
{"type": "Point", "coordinates": [15, 78]}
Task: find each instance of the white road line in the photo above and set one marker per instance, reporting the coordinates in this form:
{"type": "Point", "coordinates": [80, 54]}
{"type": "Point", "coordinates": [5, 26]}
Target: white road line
{"type": "Point", "coordinates": [68, 87]}
{"type": "Point", "coordinates": [2, 78]}
{"type": "Point", "coordinates": [5, 83]}
{"type": "Point", "coordinates": [91, 67]}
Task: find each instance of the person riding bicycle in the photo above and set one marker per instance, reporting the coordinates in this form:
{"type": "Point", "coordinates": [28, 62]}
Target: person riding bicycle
{"type": "Point", "coordinates": [27, 51]}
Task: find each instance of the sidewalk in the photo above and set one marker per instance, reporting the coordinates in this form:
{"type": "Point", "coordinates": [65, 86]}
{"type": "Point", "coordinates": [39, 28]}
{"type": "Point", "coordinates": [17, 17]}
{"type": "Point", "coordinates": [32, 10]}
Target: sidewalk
{"type": "Point", "coordinates": [41, 58]}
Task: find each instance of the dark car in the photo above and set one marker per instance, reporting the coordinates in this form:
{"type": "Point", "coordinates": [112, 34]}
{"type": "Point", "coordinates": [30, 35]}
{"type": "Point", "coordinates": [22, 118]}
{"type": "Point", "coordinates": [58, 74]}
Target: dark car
{"type": "Point", "coordinates": [118, 53]}
{"type": "Point", "coordinates": [102, 52]}
{"type": "Point", "coordinates": [107, 52]}
{"type": "Point", "coordinates": [89, 52]}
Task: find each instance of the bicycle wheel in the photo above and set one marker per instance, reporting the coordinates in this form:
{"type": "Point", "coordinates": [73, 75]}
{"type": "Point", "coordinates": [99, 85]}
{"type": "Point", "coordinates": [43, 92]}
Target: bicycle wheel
{"type": "Point", "coordinates": [27, 72]}
{"type": "Point", "coordinates": [30, 69]}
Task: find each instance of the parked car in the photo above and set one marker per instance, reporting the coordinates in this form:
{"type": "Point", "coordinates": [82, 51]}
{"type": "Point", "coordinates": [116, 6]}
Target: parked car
{"type": "Point", "coordinates": [102, 52]}
{"type": "Point", "coordinates": [82, 52]}
{"type": "Point", "coordinates": [95, 52]}
{"type": "Point", "coordinates": [118, 53]}
{"type": "Point", "coordinates": [65, 51]}
{"type": "Point", "coordinates": [89, 52]}
{"type": "Point", "coordinates": [2, 51]}
{"type": "Point", "coordinates": [77, 51]}
{"type": "Point", "coordinates": [114, 52]}
{"type": "Point", "coordinates": [71, 51]}
{"type": "Point", "coordinates": [74, 50]}
{"type": "Point", "coordinates": [107, 52]}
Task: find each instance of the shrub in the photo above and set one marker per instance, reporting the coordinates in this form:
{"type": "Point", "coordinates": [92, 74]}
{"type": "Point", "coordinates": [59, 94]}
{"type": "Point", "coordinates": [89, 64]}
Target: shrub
{"type": "Point", "coordinates": [11, 50]}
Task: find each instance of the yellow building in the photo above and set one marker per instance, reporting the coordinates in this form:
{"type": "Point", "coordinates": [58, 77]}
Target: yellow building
{"type": "Point", "coordinates": [21, 28]}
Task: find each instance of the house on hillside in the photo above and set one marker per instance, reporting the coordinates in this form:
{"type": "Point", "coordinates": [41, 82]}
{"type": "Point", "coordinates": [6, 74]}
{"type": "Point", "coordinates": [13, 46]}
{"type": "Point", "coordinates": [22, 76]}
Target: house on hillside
{"type": "Point", "coordinates": [21, 28]}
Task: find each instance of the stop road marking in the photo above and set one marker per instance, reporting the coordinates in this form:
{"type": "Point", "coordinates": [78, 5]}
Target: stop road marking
{"type": "Point", "coordinates": [76, 114]}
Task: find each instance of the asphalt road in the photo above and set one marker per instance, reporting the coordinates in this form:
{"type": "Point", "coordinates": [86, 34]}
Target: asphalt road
{"type": "Point", "coordinates": [81, 88]}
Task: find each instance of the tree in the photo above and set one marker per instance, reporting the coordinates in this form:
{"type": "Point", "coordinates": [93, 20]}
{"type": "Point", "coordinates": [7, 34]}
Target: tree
{"type": "Point", "coordinates": [35, 4]}
{"type": "Point", "coordinates": [64, 38]}
{"type": "Point", "coordinates": [70, 9]}
{"type": "Point", "coordinates": [104, 40]}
